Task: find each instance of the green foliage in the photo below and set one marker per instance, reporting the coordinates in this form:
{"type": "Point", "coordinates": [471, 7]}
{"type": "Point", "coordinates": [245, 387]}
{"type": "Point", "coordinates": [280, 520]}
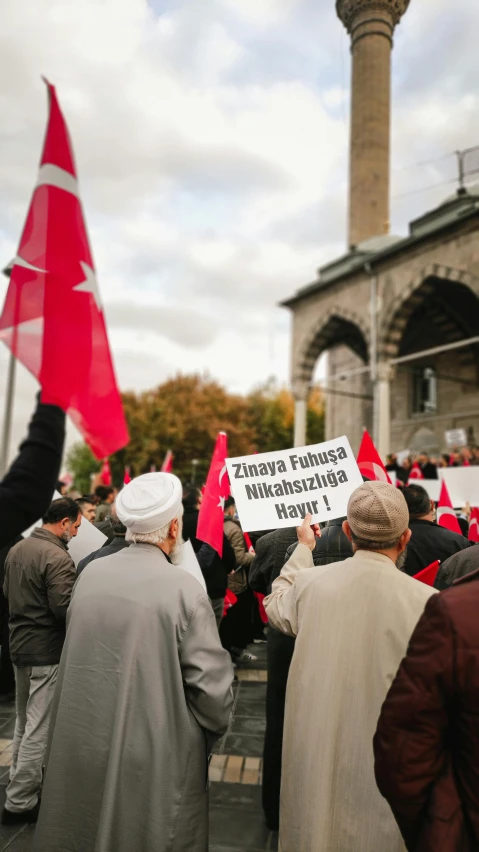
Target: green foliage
{"type": "Point", "coordinates": [185, 414]}
{"type": "Point", "coordinates": [82, 463]}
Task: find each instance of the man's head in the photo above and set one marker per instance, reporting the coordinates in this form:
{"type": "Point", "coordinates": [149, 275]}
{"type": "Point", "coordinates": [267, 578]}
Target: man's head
{"type": "Point", "coordinates": [423, 458]}
{"type": "Point", "coordinates": [230, 507]}
{"type": "Point", "coordinates": [420, 506]}
{"type": "Point", "coordinates": [63, 519]}
{"type": "Point", "coordinates": [87, 507]}
{"type": "Point", "coordinates": [105, 493]}
{"type": "Point", "coordinates": [151, 509]}
{"type": "Point", "coordinates": [378, 521]}
{"type": "Point", "coordinates": [192, 497]}
{"type": "Point", "coordinates": [118, 528]}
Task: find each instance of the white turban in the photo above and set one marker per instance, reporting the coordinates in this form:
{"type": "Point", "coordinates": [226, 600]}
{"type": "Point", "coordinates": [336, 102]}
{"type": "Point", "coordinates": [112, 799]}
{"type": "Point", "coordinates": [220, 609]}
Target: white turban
{"type": "Point", "coordinates": [149, 502]}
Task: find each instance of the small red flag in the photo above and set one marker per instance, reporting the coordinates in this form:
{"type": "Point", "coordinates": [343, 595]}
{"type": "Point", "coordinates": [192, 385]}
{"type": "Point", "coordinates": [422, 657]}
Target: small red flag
{"type": "Point", "coordinates": [474, 525]}
{"type": "Point", "coordinates": [217, 489]}
{"type": "Point", "coordinates": [105, 474]}
{"type": "Point", "coordinates": [127, 477]}
{"type": "Point", "coordinates": [416, 472]}
{"type": "Point", "coordinates": [53, 311]}
{"type": "Point", "coordinates": [369, 461]}
{"type": "Point", "coordinates": [428, 575]}
{"type": "Point", "coordinates": [446, 516]}
{"type": "Point", "coordinates": [167, 466]}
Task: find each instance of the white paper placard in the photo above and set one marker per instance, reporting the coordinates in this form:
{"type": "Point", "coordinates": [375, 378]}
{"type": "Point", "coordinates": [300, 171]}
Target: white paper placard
{"type": "Point", "coordinates": [190, 563]}
{"type": "Point", "coordinates": [276, 490]}
{"type": "Point", "coordinates": [393, 476]}
{"type": "Point", "coordinates": [456, 438]}
{"type": "Point", "coordinates": [88, 538]}
{"type": "Point", "coordinates": [462, 484]}
{"type": "Point", "coordinates": [432, 486]}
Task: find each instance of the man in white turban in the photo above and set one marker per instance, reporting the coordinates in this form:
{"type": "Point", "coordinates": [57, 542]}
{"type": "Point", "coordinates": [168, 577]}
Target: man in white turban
{"type": "Point", "coordinates": [143, 692]}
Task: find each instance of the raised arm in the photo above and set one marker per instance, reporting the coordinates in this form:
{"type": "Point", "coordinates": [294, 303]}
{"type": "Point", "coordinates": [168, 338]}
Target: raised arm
{"type": "Point", "coordinates": [27, 489]}
{"type": "Point", "coordinates": [280, 605]}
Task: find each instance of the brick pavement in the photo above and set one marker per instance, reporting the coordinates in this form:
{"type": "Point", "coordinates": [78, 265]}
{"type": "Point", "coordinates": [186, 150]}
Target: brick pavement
{"type": "Point", "coordinates": [236, 817]}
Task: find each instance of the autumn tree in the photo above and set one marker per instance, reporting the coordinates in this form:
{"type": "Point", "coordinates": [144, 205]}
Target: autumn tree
{"type": "Point", "coordinates": [186, 413]}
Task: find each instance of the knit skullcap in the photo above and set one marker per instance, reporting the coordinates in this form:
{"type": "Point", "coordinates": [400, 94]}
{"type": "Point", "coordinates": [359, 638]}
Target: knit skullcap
{"type": "Point", "coordinates": [377, 511]}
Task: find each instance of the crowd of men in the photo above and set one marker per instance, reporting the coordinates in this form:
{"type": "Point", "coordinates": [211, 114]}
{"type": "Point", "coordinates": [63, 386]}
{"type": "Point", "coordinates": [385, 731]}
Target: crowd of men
{"type": "Point", "coordinates": [424, 466]}
{"type": "Point", "coordinates": [124, 666]}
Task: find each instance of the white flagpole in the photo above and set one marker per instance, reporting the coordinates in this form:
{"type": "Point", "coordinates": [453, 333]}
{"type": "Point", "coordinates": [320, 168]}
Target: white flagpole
{"type": "Point", "coordinates": [8, 413]}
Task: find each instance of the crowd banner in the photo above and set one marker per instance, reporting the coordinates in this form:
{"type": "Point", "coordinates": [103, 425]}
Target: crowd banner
{"type": "Point", "coordinates": [456, 438]}
{"type": "Point", "coordinates": [432, 486]}
{"type": "Point", "coordinates": [277, 490]}
{"type": "Point", "coordinates": [462, 484]}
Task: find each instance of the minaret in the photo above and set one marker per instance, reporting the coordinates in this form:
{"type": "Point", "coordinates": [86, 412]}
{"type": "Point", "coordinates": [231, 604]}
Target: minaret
{"type": "Point", "coordinates": [371, 25]}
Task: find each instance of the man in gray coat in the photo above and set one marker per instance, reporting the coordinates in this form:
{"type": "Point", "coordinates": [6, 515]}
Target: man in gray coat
{"type": "Point", "coordinates": [39, 578]}
{"type": "Point", "coordinates": [144, 690]}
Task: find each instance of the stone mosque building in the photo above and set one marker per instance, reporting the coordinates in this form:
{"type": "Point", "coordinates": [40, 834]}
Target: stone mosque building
{"type": "Point", "coordinates": [399, 317]}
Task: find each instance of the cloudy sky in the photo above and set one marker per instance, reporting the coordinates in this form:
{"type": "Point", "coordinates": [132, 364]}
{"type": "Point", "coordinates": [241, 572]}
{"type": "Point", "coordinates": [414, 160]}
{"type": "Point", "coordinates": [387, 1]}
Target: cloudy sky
{"type": "Point", "coordinates": [211, 141]}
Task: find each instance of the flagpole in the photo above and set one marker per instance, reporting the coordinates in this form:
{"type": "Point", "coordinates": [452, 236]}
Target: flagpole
{"type": "Point", "coordinates": [8, 415]}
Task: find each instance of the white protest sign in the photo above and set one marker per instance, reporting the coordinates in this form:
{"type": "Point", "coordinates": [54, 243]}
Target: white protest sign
{"type": "Point", "coordinates": [462, 484]}
{"type": "Point", "coordinates": [456, 438]}
{"type": "Point", "coordinates": [88, 538]}
{"type": "Point", "coordinates": [277, 490]}
{"type": "Point", "coordinates": [190, 563]}
{"type": "Point", "coordinates": [432, 486]}
{"type": "Point", "coordinates": [393, 476]}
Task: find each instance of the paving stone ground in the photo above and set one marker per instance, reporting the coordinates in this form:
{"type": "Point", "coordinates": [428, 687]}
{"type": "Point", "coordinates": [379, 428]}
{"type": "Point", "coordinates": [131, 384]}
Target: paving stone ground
{"type": "Point", "coordinates": [236, 817]}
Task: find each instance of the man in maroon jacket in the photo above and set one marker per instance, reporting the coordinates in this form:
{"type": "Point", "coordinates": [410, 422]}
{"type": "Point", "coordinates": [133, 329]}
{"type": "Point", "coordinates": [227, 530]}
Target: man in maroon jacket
{"type": "Point", "coordinates": [427, 742]}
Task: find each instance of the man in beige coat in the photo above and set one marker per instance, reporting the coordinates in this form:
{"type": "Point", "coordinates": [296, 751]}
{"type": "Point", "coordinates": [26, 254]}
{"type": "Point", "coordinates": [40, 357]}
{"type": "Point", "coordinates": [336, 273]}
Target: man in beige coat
{"type": "Point", "coordinates": [353, 621]}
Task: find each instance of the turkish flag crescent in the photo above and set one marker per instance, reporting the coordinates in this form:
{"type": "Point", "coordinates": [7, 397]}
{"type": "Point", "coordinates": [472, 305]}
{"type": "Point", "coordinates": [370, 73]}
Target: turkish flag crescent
{"type": "Point", "coordinates": [369, 461]}
{"type": "Point", "coordinates": [211, 518]}
{"type": "Point", "coordinates": [53, 319]}
{"type": "Point", "coordinates": [474, 525]}
{"type": "Point", "coordinates": [446, 516]}
{"type": "Point", "coordinates": [415, 472]}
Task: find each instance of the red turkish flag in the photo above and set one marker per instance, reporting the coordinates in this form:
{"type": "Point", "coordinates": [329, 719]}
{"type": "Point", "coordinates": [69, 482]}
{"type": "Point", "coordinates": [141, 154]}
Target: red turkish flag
{"type": "Point", "coordinates": [167, 466]}
{"type": "Point", "coordinates": [53, 318]}
{"type": "Point", "coordinates": [446, 516]}
{"type": "Point", "coordinates": [474, 525]}
{"type": "Point", "coordinates": [105, 474]}
{"type": "Point", "coordinates": [369, 461]}
{"type": "Point", "coordinates": [428, 575]}
{"type": "Point", "coordinates": [415, 472]}
{"type": "Point", "coordinates": [127, 477]}
{"type": "Point", "coordinates": [211, 518]}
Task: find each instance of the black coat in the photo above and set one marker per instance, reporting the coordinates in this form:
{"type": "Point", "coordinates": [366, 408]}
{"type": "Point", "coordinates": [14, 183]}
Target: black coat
{"type": "Point", "coordinates": [216, 572]}
{"type": "Point", "coordinates": [270, 558]}
{"type": "Point", "coordinates": [27, 489]}
{"type": "Point", "coordinates": [119, 543]}
{"type": "Point", "coordinates": [333, 546]}
{"type": "Point", "coordinates": [429, 542]}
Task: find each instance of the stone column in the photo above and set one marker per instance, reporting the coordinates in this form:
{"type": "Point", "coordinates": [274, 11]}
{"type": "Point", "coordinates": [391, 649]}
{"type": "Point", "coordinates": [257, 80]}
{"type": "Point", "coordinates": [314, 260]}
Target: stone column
{"type": "Point", "coordinates": [382, 394]}
{"type": "Point", "coordinates": [300, 414]}
{"type": "Point", "coordinates": [371, 25]}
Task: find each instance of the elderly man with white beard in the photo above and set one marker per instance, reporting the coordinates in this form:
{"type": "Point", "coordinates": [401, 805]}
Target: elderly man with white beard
{"type": "Point", "coordinates": [144, 690]}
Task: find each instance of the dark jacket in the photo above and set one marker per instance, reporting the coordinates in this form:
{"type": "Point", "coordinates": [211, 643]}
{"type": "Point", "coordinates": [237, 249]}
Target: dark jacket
{"type": "Point", "coordinates": [215, 570]}
{"type": "Point", "coordinates": [429, 542]}
{"type": "Point", "coordinates": [427, 741]}
{"type": "Point", "coordinates": [333, 546]}
{"type": "Point", "coordinates": [270, 558]}
{"type": "Point", "coordinates": [118, 543]}
{"type": "Point", "coordinates": [457, 566]}
{"type": "Point", "coordinates": [39, 579]}
{"type": "Point", "coordinates": [27, 489]}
